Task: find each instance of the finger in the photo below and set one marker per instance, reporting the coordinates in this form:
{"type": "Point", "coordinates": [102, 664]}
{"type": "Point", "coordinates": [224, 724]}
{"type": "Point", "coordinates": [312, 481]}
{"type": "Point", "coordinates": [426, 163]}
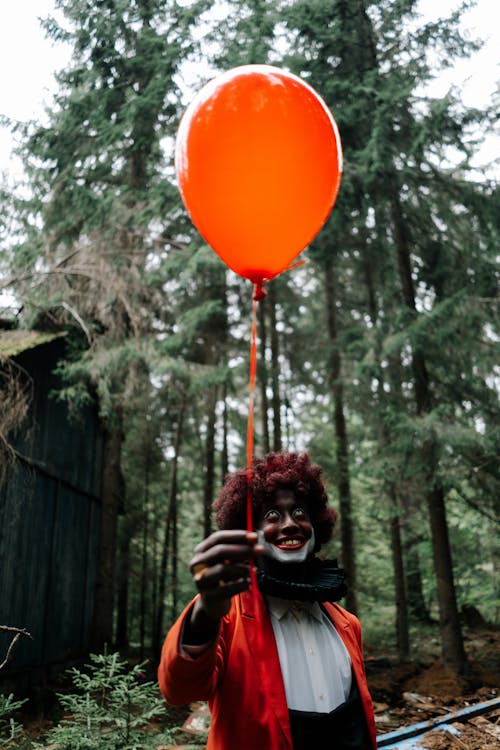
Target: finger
{"type": "Point", "coordinates": [207, 578]}
{"type": "Point", "coordinates": [227, 536]}
{"type": "Point", "coordinates": [222, 552]}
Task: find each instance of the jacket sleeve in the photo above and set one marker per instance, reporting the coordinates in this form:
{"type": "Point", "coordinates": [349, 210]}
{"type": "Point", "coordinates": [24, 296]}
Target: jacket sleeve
{"type": "Point", "coordinates": [183, 679]}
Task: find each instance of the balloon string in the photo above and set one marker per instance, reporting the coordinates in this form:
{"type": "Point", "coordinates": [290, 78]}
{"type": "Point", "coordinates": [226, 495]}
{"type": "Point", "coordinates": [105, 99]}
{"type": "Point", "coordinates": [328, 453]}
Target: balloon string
{"type": "Point", "coordinates": [260, 645]}
{"type": "Point", "coordinates": [250, 429]}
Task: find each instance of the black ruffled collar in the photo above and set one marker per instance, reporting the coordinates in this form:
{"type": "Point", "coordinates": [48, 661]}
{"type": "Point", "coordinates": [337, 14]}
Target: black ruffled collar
{"type": "Point", "coordinates": [324, 582]}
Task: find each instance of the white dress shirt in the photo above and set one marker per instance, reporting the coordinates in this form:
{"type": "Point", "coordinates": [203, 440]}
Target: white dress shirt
{"type": "Point", "coordinates": [314, 661]}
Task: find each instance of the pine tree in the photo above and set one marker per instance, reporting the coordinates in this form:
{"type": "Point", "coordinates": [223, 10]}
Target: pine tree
{"type": "Point", "coordinates": [98, 225]}
{"type": "Point", "coordinates": [403, 202]}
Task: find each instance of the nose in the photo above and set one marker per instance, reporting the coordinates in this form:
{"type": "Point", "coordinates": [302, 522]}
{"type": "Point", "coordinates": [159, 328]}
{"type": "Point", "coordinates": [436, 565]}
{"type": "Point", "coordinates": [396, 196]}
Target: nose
{"type": "Point", "coordinates": [289, 525]}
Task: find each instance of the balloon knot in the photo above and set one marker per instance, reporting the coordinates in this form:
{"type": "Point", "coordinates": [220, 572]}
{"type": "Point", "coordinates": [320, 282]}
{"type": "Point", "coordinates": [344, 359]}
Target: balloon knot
{"type": "Point", "coordinates": [258, 291]}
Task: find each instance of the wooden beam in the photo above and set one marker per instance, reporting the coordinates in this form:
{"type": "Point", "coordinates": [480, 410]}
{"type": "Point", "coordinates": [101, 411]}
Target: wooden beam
{"type": "Point", "coordinates": [384, 740]}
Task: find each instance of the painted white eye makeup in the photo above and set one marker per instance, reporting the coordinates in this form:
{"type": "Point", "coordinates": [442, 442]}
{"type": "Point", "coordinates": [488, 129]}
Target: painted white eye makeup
{"type": "Point", "coordinates": [287, 556]}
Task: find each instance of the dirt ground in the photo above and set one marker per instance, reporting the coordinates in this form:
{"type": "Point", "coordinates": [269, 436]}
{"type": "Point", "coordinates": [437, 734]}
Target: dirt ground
{"type": "Point", "coordinates": [404, 694]}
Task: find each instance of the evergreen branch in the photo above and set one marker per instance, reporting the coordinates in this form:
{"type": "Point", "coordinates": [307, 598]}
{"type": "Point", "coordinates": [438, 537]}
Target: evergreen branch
{"type": "Point", "coordinates": [475, 506]}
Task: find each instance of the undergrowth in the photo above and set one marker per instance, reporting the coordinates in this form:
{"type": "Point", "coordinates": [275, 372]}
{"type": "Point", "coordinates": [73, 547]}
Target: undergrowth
{"type": "Point", "coordinates": [110, 707]}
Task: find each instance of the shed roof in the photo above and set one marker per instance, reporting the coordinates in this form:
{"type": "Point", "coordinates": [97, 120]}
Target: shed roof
{"type": "Point", "coordinates": [15, 342]}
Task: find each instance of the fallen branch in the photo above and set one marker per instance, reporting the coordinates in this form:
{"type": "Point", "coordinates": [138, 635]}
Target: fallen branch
{"type": "Point", "coordinates": [18, 633]}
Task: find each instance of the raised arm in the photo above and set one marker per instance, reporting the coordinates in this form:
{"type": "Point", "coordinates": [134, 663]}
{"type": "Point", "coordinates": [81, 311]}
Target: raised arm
{"type": "Point", "coordinates": [220, 570]}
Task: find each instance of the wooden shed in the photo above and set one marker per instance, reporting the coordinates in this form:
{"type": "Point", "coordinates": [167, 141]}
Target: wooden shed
{"type": "Point", "coordinates": [49, 514]}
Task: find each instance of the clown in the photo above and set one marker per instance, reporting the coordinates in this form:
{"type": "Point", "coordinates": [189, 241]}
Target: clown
{"type": "Point", "coordinates": [281, 668]}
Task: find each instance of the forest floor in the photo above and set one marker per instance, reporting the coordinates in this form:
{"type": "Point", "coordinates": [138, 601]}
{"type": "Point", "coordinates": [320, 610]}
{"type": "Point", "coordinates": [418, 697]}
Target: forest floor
{"type": "Point", "coordinates": [425, 690]}
{"type": "Point", "coordinates": [403, 694]}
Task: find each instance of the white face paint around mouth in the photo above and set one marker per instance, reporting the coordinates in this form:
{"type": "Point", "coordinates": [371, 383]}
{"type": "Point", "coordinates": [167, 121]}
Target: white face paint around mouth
{"type": "Point", "coordinates": [287, 555]}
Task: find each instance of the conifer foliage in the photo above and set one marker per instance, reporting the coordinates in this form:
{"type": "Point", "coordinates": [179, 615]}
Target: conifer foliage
{"type": "Point", "coordinates": [399, 208]}
{"type": "Point", "coordinates": [377, 355]}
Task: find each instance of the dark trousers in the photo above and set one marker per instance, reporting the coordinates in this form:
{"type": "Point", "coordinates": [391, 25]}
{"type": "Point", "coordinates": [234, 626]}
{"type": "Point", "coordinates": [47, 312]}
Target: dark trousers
{"type": "Point", "coordinates": [344, 728]}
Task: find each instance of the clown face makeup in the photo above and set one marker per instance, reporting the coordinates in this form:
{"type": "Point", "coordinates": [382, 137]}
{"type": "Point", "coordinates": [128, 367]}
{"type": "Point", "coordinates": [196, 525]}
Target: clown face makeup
{"type": "Point", "coordinates": [289, 555]}
{"type": "Point", "coordinates": [286, 531]}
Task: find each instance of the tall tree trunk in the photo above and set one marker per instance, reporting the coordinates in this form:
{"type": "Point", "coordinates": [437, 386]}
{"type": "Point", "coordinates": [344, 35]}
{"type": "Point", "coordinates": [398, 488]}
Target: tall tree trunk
{"type": "Point", "coordinates": [275, 370]}
{"type": "Point", "coordinates": [154, 571]}
{"type": "Point", "coordinates": [208, 490]}
{"type": "Point", "coordinates": [123, 591]}
{"type": "Point", "coordinates": [225, 449]}
{"type": "Point", "coordinates": [417, 606]}
{"type": "Point", "coordinates": [398, 562]}
{"type": "Point", "coordinates": [451, 635]}
{"type": "Point", "coordinates": [402, 634]}
{"type": "Point", "coordinates": [343, 480]}
{"type": "Point", "coordinates": [175, 562]}
{"type": "Point", "coordinates": [112, 494]}
{"type": "Point", "coordinates": [145, 546]}
{"type": "Point", "coordinates": [263, 377]}
{"type": "Point", "coordinates": [172, 499]}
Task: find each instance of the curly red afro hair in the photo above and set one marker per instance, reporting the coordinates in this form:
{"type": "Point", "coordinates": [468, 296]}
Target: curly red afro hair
{"type": "Point", "coordinates": [273, 472]}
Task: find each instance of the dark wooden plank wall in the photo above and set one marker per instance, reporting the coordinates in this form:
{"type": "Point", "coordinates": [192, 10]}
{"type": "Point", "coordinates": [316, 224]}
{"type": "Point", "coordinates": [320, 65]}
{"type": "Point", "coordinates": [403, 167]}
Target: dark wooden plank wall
{"type": "Point", "coordinates": [49, 523]}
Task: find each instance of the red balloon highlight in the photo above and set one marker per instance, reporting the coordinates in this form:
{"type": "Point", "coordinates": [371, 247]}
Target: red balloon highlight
{"type": "Point", "coordinates": [259, 162]}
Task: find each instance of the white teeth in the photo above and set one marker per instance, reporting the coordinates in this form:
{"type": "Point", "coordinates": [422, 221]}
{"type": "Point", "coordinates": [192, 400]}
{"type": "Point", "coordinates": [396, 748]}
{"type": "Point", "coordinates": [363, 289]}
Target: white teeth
{"type": "Point", "coordinates": [289, 550]}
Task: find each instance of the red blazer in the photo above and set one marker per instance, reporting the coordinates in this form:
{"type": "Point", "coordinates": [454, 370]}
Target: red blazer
{"type": "Point", "coordinates": [240, 676]}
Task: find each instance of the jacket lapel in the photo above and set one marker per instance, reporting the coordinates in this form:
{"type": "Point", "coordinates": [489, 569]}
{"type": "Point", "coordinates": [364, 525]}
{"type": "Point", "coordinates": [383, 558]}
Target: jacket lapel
{"type": "Point", "coordinates": [344, 629]}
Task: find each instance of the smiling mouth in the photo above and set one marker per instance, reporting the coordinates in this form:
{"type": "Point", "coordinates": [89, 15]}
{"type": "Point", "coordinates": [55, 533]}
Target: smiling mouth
{"type": "Point", "coordinates": [290, 544]}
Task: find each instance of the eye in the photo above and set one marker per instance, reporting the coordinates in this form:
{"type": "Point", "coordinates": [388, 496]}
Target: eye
{"type": "Point", "coordinates": [299, 514]}
{"type": "Point", "coordinates": [272, 515]}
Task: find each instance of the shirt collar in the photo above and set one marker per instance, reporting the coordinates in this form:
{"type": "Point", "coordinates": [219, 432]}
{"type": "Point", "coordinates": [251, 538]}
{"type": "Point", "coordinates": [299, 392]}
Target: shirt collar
{"type": "Point", "coordinates": [281, 607]}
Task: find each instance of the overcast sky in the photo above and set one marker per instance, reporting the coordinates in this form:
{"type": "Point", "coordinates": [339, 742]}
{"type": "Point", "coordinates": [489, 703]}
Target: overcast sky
{"type": "Point", "coordinates": [28, 61]}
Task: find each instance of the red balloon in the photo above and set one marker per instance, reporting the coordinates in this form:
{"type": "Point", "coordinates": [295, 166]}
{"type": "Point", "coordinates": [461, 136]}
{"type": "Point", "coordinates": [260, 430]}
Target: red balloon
{"type": "Point", "coordinates": [259, 162]}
